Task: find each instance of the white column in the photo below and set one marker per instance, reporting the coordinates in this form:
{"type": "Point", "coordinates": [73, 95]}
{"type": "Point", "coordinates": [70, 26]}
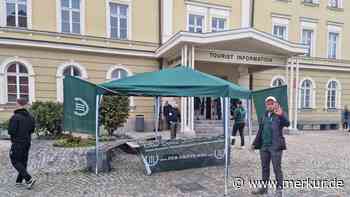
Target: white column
{"type": "Point", "coordinates": [191, 60]}
{"type": "Point", "coordinates": [182, 98]}
{"type": "Point", "coordinates": [167, 19]}
{"type": "Point", "coordinates": [246, 13]}
{"type": "Point", "coordinates": [291, 93]}
{"type": "Point", "coordinates": [296, 95]}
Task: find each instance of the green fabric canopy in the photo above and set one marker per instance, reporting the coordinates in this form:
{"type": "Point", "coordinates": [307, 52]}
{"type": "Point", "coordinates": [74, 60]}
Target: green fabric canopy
{"type": "Point", "coordinates": [178, 81]}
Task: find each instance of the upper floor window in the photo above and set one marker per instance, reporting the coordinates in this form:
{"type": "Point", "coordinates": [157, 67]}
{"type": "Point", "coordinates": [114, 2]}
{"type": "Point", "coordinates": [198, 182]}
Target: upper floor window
{"type": "Point", "coordinates": [71, 16]}
{"type": "Point", "coordinates": [306, 94]}
{"type": "Point", "coordinates": [119, 21]}
{"type": "Point", "coordinates": [16, 13]}
{"type": "Point", "coordinates": [333, 94]}
{"type": "Point", "coordinates": [280, 31]}
{"type": "Point", "coordinates": [17, 82]}
{"type": "Point", "coordinates": [333, 39]}
{"type": "Point", "coordinates": [218, 24]}
{"type": "Point", "coordinates": [195, 23]}
{"type": "Point", "coordinates": [307, 39]}
{"type": "Point", "coordinates": [334, 3]}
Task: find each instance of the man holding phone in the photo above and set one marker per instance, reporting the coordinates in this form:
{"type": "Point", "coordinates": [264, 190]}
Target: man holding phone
{"type": "Point", "coordinates": [270, 141]}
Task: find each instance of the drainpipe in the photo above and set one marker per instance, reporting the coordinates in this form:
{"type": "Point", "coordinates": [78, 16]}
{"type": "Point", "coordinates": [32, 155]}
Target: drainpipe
{"type": "Point", "coordinates": [252, 11]}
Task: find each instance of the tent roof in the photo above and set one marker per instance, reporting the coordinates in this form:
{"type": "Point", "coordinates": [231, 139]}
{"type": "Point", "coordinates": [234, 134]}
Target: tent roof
{"type": "Point", "coordinates": [178, 81]}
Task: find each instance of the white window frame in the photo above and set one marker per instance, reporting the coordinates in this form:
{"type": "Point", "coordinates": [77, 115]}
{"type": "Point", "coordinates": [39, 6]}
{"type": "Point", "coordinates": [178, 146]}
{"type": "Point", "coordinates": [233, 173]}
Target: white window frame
{"type": "Point", "coordinates": [280, 22]}
{"type": "Point", "coordinates": [60, 76]}
{"type": "Point", "coordinates": [338, 94]}
{"type": "Point", "coordinates": [197, 10]}
{"type": "Point", "coordinates": [82, 17]}
{"type": "Point", "coordinates": [313, 27]}
{"type": "Point", "coordinates": [3, 78]}
{"type": "Point", "coordinates": [129, 73]}
{"type": "Point", "coordinates": [3, 16]}
{"type": "Point", "coordinates": [108, 17]}
{"type": "Point", "coordinates": [312, 92]}
{"type": "Point", "coordinates": [278, 77]}
{"type": "Point", "coordinates": [338, 30]}
{"type": "Point", "coordinates": [219, 13]}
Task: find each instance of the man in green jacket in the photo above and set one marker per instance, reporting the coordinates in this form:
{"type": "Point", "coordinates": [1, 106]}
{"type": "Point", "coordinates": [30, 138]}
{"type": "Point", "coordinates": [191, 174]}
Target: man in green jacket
{"type": "Point", "coordinates": [239, 117]}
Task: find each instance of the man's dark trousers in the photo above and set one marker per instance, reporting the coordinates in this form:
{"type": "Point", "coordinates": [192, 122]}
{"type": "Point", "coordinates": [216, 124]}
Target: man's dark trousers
{"type": "Point", "coordinates": [19, 159]}
{"type": "Point", "coordinates": [268, 154]}
{"type": "Point", "coordinates": [240, 128]}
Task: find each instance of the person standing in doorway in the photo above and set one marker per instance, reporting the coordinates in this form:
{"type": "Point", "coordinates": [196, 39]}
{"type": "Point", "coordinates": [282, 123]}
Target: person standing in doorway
{"type": "Point", "coordinates": [239, 118]}
{"type": "Point", "coordinates": [346, 117]}
{"type": "Point", "coordinates": [166, 110]}
{"type": "Point", "coordinates": [21, 127]}
{"type": "Point", "coordinates": [173, 119]}
{"type": "Point", "coordinates": [271, 142]}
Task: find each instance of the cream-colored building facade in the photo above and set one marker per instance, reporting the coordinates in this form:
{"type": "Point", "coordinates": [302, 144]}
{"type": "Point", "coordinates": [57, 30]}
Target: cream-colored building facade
{"type": "Point", "coordinates": [256, 44]}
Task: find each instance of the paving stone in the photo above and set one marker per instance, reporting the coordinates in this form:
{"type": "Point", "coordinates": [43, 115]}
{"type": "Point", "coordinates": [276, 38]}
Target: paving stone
{"type": "Point", "coordinates": [60, 172]}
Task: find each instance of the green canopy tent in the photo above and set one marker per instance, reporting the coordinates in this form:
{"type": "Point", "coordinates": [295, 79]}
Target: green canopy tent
{"type": "Point", "coordinates": [182, 81]}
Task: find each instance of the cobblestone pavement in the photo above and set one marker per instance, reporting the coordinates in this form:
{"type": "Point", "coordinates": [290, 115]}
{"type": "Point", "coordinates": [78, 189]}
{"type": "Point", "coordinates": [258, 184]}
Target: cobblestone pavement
{"type": "Point", "coordinates": [314, 155]}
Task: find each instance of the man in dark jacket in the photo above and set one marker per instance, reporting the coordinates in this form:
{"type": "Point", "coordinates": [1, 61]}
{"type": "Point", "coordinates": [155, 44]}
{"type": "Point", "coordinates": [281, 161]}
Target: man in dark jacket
{"type": "Point", "coordinates": [239, 117]}
{"type": "Point", "coordinates": [271, 142]}
{"type": "Point", "coordinates": [173, 119]}
{"type": "Point", "coordinates": [21, 127]}
{"type": "Point", "coordinates": [166, 110]}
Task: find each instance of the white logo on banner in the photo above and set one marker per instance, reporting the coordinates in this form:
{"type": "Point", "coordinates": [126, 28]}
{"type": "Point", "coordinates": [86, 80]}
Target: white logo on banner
{"type": "Point", "coordinates": [81, 107]}
{"type": "Point", "coordinates": [219, 154]}
{"type": "Point", "coordinates": [152, 160]}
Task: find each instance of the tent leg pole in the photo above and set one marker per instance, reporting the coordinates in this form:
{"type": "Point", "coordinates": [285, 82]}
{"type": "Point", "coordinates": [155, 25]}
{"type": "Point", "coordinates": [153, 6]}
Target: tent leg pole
{"type": "Point", "coordinates": [226, 129]}
{"type": "Point", "coordinates": [249, 117]}
{"type": "Point", "coordinates": [97, 131]}
{"type": "Point", "coordinates": [156, 127]}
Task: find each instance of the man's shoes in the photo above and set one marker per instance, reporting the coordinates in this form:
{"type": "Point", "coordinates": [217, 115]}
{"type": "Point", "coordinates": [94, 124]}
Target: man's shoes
{"type": "Point", "coordinates": [278, 193]}
{"type": "Point", "coordinates": [19, 184]}
{"type": "Point", "coordinates": [260, 191]}
{"type": "Point", "coordinates": [30, 183]}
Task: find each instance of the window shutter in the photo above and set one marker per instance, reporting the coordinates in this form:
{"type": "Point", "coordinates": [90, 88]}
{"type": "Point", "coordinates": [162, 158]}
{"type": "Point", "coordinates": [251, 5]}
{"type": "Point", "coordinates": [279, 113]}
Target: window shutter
{"type": "Point", "coordinates": [326, 97]}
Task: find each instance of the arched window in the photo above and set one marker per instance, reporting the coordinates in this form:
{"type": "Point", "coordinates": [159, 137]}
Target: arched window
{"type": "Point", "coordinates": [72, 71]}
{"type": "Point", "coordinates": [278, 81]}
{"type": "Point", "coordinates": [119, 72]}
{"type": "Point", "coordinates": [17, 82]}
{"type": "Point", "coordinates": [307, 94]}
{"type": "Point", "coordinates": [333, 94]}
{"type": "Point", "coordinates": [68, 69]}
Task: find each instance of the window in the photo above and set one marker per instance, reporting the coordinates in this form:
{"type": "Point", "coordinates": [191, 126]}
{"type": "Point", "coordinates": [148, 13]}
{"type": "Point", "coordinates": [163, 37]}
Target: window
{"type": "Point", "coordinates": [278, 81]}
{"type": "Point", "coordinates": [68, 69]}
{"type": "Point", "coordinates": [218, 24]}
{"type": "Point", "coordinates": [333, 94]}
{"type": "Point", "coordinates": [195, 23]}
{"type": "Point", "coordinates": [306, 94]}
{"type": "Point", "coordinates": [333, 45]}
{"type": "Point", "coordinates": [70, 16]}
{"type": "Point", "coordinates": [118, 21]}
{"type": "Point", "coordinates": [17, 82]}
{"type": "Point", "coordinates": [16, 13]}
{"type": "Point", "coordinates": [308, 1]}
{"type": "Point", "coordinates": [280, 31]}
{"type": "Point", "coordinates": [307, 39]}
{"type": "Point", "coordinates": [72, 71]}
{"type": "Point", "coordinates": [334, 3]}
{"type": "Point", "coordinates": [119, 73]}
